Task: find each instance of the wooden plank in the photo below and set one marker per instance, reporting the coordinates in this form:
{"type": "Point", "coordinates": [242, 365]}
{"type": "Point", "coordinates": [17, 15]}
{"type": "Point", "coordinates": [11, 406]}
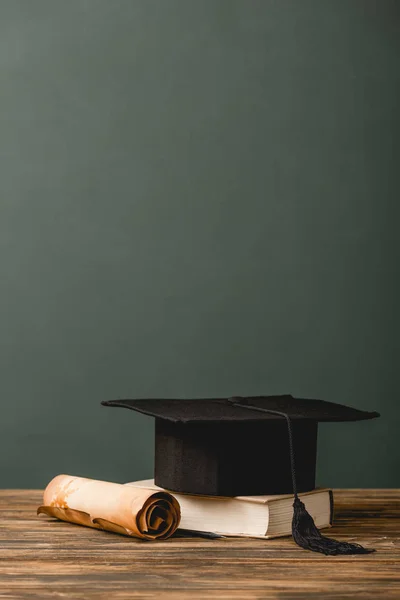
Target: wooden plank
{"type": "Point", "coordinates": [43, 558]}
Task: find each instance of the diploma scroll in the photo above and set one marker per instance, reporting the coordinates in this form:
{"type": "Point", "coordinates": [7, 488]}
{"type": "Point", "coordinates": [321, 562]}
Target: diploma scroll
{"type": "Point", "coordinates": [140, 513]}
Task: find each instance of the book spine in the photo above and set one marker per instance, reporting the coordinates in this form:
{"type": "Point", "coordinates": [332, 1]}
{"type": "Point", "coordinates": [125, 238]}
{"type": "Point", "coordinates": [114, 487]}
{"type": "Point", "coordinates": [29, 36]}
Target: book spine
{"type": "Point", "coordinates": [332, 507]}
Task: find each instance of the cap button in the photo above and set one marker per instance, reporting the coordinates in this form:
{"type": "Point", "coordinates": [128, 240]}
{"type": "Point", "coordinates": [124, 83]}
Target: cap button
{"type": "Point", "coordinates": [238, 400]}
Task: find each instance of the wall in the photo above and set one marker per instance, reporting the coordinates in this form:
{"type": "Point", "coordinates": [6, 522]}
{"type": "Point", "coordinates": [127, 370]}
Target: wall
{"type": "Point", "coordinates": [198, 198]}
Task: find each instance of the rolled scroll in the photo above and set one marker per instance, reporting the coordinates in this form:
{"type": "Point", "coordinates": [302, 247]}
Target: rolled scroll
{"type": "Point", "coordinates": [114, 507]}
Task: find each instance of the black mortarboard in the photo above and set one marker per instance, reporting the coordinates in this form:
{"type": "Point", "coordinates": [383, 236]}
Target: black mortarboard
{"type": "Point", "coordinates": [242, 446]}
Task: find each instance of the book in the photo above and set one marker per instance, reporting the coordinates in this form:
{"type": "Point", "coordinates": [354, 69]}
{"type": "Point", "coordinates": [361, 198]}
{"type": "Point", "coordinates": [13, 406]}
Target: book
{"type": "Point", "coordinates": [248, 516]}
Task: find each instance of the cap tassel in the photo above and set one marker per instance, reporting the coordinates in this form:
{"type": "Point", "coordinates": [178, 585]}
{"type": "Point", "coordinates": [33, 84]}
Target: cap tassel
{"type": "Point", "coordinates": [308, 536]}
{"type": "Point", "coordinates": [305, 532]}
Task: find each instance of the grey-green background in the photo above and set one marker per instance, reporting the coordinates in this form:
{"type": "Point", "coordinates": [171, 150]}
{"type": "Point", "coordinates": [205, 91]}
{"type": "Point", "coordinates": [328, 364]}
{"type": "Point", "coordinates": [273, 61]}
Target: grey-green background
{"type": "Point", "coordinates": [198, 198]}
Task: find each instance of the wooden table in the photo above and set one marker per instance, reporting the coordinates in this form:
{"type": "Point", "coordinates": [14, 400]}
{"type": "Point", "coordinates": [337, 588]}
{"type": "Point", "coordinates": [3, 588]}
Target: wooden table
{"type": "Point", "coordinates": [44, 558]}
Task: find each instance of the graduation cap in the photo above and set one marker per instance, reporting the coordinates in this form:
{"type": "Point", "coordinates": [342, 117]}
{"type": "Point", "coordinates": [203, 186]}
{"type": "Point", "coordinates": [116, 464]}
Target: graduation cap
{"type": "Point", "coordinates": [245, 446]}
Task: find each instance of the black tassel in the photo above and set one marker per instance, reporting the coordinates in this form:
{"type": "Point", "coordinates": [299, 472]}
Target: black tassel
{"type": "Point", "coordinates": [306, 535]}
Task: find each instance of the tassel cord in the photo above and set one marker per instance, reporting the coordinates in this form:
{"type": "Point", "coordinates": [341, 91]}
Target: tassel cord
{"type": "Point", "coordinates": [305, 532]}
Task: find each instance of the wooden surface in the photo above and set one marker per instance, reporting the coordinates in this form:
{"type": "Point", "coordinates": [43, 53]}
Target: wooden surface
{"type": "Point", "coordinates": [44, 558]}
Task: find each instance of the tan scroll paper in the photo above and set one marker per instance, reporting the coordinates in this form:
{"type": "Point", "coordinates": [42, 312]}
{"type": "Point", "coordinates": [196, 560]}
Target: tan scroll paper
{"type": "Point", "coordinates": [112, 506]}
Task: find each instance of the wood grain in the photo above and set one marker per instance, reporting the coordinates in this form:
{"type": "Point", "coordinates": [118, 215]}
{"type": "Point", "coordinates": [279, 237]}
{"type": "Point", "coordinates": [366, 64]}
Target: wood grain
{"type": "Point", "coordinates": [43, 558]}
